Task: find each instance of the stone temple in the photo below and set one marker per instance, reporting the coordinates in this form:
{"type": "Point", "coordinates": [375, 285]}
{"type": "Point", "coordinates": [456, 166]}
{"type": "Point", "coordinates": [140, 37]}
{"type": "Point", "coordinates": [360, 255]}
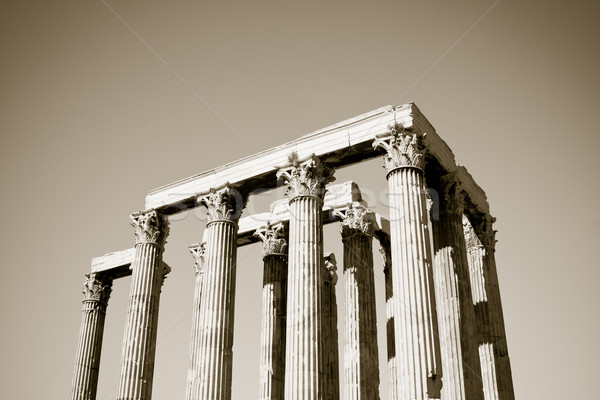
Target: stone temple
{"type": "Point", "coordinates": [445, 328]}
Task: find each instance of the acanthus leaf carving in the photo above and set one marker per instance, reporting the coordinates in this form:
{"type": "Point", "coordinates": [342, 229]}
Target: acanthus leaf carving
{"type": "Point", "coordinates": [225, 203]}
{"type": "Point", "coordinates": [198, 252]}
{"type": "Point", "coordinates": [330, 265]}
{"type": "Point", "coordinates": [478, 232]}
{"type": "Point", "coordinates": [402, 148]}
{"type": "Point", "coordinates": [273, 239]}
{"type": "Point", "coordinates": [96, 289]}
{"type": "Point", "coordinates": [355, 218]}
{"type": "Point", "coordinates": [306, 178]}
{"type": "Point", "coordinates": [452, 194]}
{"type": "Point", "coordinates": [150, 227]}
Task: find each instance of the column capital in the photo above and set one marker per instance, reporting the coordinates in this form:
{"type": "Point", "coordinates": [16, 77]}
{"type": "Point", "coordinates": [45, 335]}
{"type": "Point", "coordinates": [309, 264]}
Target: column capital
{"type": "Point", "coordinates": [453, 195]}
{"type": "Point", "coordinates": [403, 149]}
{"type": "Point", "coordinates": [306, 178]}
{"type": "Point", "coordinates": [223, 204]}
{"type": "Point", "coordinates": [356, 219]}
{"type": "Point", "coordinates": [479, 232]}
{"type": "Point", "coordinates": [385, 252]}
{"type": "Point", "coordinates": [330, 268]}
{"type": "Point", "coordinates": [273, 239]}
{"type": "Point", "coordinates": [150, 227]}
{"type": "Point", "coordinates": [198, 251]}
{"type": "Point", "coordinates": [97, 289]}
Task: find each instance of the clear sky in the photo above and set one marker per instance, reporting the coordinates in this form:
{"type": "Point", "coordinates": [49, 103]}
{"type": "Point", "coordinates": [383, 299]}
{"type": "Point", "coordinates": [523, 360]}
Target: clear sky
{"type": "Point", "coordinates": [102, 101]}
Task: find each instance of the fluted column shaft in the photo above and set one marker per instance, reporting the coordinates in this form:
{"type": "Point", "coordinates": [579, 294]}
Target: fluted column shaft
{"type": "Point", "coordinates": [196, 355]}
{"type": "Point", "coordinates": [493, 350]}
{"type": "Point", "coordinates": [217, 311]}
{"type": "Point", "coordinates": [331, 363]}
{"type": "Point", "coordinates": [389, 313]}
{"type": "Point", "coordinates": [148, 272]}
{"type": "Point", "coordinates": [462, 374]}
{"type": "Point", "coordinates": [274, 302]}
{"type": "Point", "coordinates": [218, 294]}
{"type": "Point", "coordinates": [304, 334]}
{"type": "Point", "coordinates": [361, 361]}
{"type": "Point", "coordinates": [417, 348]}
{"type": "Point", "coordinates": [272, 368]}
{"type": "Point", "coordinates": [96, 292]}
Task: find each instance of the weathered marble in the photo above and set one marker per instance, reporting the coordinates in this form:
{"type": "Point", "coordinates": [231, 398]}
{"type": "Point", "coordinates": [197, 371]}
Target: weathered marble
{"type": "Point", "coordinates": [215, 328]}
{"type": "Point", "coordinates": [96, 292]}
{"type": "Point", "coordinates": [490, 332]}
{"type": "Point", "coordinates": [198, 251]}
{"type": "Point", "coordinates": [274, 302]}
{"type": "Point", "coordinates": [462, 374]}
{"type": "Point", "coordinates": [148, 273]}
{"type": "Point", "coordinates": [361, 360]}
{"type": "Point", "coordinates": [415, 325]}
{"type": "Point", "coordinates": [305, 183]}
{"type": "Point", "coordinates": [331, 354]}
{"type": "Point", "coordinates": [386, 253]}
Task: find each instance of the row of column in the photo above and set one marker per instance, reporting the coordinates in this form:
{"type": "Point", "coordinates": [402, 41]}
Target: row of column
{"type": "Point", "coordinates": [434, 296]}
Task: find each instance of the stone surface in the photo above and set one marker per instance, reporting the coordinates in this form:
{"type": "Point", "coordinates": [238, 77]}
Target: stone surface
{"type": "Point", "coordinates": [217, 304]}
{"type": "Point", "coordinates": [198, 251]}
{"type": "Point", "coordinates": [331, 363]}
{"type": "Point", "coordinates": [361, 361]}
{"type": "Point", "coordinates": [489, 321]}
{"type": "Point", "coordinates": [274, 303]}
{"type": "Point", "coordinates": [139, 343]}
{"type": "Point", "coordinates": [304, 330]}
{"type": "Point", "coordinates": [417, 347]}
{"type": "Point", "coordinates": [344, 143]}
{"type": "Point", "coordinates": [462, 373]}
{"type": "Point", "coordinates": [96, 292]}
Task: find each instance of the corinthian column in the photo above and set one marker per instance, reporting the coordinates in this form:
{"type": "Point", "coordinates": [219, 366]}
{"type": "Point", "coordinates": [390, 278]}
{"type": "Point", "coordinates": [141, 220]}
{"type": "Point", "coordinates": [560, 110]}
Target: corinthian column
{"type": "Point", "coordinates": [386, 253]}
{"type": "Point", "coordinates": [361, 362]}
{"type": "Point", "coordinates": [306, 188]}
{"type": "Point", "coordinates": [96, 291]}
{"type": "Point", "coordinates": [417, 348]}
{"type": "Point", "coordinates": [218, 294]}
{"type": "Point", "coordinates": [331, 363]}
{"type": "Point", "coordinates": [198, 251]}
{"type": "Point", "coordinates": [453, 298]}
{"type": "Point", "coordinates": [272, 360]}
{"type": "Point", "coordinates": [148, 273]}
{"type": "Point", "coordinates": [493, 350]}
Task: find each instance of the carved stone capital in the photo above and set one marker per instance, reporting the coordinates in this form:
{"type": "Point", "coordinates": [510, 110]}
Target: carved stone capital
{"type": "Point", "coordinates": [96, 289]}
{"type": "Point", "coordinates": [453, 196]}
{"type": "Point", "coordinates": [225, 203]}
{"type": "Point", "coordinates": [306, 178]}
{"type": "Point", "coordinates": [198, 251]}
{"type": "Point", "coordinates": [273, 239]}
{"type": "Point", "coordinates": [386, 254]}
{"type": "Point", "coordinates": [355, 218]}
{"type": "Point", "coordinates": [402, 148]}
{"type": "Point", "coordinates": [330, 268]}
{"type": "Point", "coordinates": [479, 232]}
{"type": "Point", "coordinates": [150, 227]}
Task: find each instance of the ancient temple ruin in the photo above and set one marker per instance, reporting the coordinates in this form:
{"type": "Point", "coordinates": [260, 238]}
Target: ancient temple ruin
{"type": "Point", "coordinates": [445, 329]}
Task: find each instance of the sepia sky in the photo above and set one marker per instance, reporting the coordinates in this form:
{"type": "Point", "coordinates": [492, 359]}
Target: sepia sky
{"type": "Point", "coordinates": [102, 101]}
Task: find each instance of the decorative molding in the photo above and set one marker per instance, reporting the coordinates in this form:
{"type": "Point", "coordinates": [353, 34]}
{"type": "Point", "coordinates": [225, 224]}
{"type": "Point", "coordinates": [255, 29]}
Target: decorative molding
{"type": "Point", "coordinates": [273, 239]}
{"type": "Point", "coordinates": [150, 227]}
{"type": "Point", "coordinates": [331, 268]}
{"type": "Point", "coordinates": [198, 251]}
{"type": "Point", "coordinates": [355, 218]}
{"type": "Point", "coordinates": [225, 203]}
{"type": "Point", "coordinates": [96, 289]}
{"type": "Point", "coordinates": [402, 148]}
{"type": "Point", "coordinates": [386, 255]}
{"type": "Point", "coordinates": [306, 178]}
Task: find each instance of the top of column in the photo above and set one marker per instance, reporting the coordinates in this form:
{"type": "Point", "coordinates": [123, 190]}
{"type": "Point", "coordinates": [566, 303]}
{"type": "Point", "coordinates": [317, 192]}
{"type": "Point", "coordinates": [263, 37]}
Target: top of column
{"type": "Point", "coordinates": [403, 148]}
{"type": "Point", "coordinates": [151, 227]}
{"type": "Point", "coordinates": [355, 218]}
{"type": "Point", "coordinates": [224, 204]}
{"type": "Point", "coordinates": [273, 238]}
{"type": "Point", "coordinates": [306, 177]}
